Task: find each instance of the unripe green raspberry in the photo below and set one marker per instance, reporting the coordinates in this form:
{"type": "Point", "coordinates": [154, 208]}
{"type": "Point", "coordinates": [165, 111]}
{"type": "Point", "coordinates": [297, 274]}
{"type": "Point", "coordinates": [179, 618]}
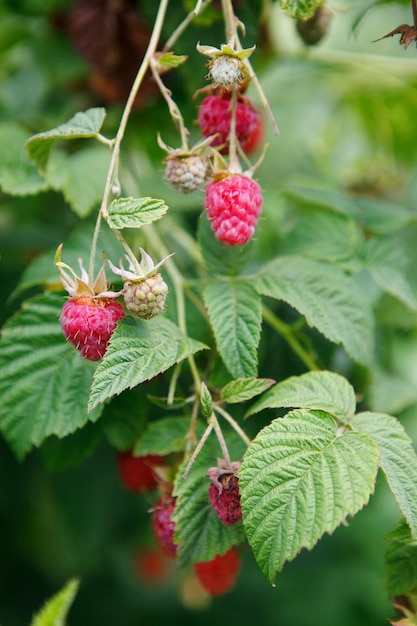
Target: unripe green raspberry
{"type": "Point", "coordinates": [226, 71]}
{"type": "Point", "coordinates": [186, 173]}
{"type": "Point", "coordinates": [145, 298]}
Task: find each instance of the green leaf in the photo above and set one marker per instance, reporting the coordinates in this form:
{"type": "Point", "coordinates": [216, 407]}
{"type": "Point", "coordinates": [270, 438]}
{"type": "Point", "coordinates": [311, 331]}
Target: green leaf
{"type": "Point", "coordinates": [219, 258]}
{"type": "Point", "coordinates": [300, 9]}
{"type": "Point", "coordinates": [330, 300]}
{"type": "Point", "coordinates": [44, 382]}
{"type": "Point", "coordinates": [55, 611]}
{"type": "Point", "coordinates": [135, 212]}
{"type": "Point", "coordinates": [206, 400]}
{"type": "Point", "coordinates": [165, 436]}
{"type": "Point", "coordinates": [328, 199]}
{"type": "Point", "coordinates": [169, 59]}
{"type": "Point", "coordinates": [83, 125]}
{"type": "Point", "coordinates": [198, 529]}
{"type": "Point", "coordinates": [234, 308]}
{"type": "Point", "coordinates": [398, 460]}
{"type": "Point", "coordinates": [299, 479]}
{"type": "Point", "coordinates": [383, 217]}
{"type": "Point", "coordinates": [384, 260]}
{"type": "Point", "coordinates": [243, 389]}
{"type": "Point", "coordinates": [325, 236]}
{"type": "Point", "coordinates": [138, 351]}
{"type": "Point", "coordinates": [18, 176]}
{"type": "Point", "coordinates": [389, 392]}
{"type": "Point", "coordinates": [400, 562]}
{"type": "Point", "coordinates": [80, 177]}
{"type": "Point", "coordinates": [324, 391]}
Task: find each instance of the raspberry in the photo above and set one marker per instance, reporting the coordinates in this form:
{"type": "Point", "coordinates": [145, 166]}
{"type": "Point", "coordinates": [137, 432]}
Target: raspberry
{"type": "Point", "coordinates": [186, 173]}
{"type": "Point", "coordinates": [219, 575]}
{"type": "Point", "coordinates": [315, 28]}
{"type": "Point", "coordinates": [136, 472]}
{"type": "Point", "coordinates": [145, 298]}
{"type": "Point", "coordinates": [163, 526]}
{"type": "Point", "coordinates": [233, 205]}
{"type": "Point", "coordinates": [214, 116]}
{"type": "Point", "coordinates": [88, 323]}
{"type": "Point", "coordinates": [226, 500]}
{"type": "Point", "coordinates": [151, 566]}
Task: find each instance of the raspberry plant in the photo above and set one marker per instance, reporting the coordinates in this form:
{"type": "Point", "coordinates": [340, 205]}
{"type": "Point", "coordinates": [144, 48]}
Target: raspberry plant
{"type": "Point", "coordinates": [233, 320]}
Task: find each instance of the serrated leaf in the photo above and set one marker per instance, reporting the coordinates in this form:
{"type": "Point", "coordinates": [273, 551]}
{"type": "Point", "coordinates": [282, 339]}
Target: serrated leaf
{"type": "Point", "coordinates": [300, 9]}
{"type": "Point", "coordinates": [219, 258]}
{"type": "Point", "coordinates": [243, 389]}
{"type": "Point", "coordinates": [234, 308]}
{"type": "Point", "coordinates": [165, 436]}
{"type": "Point", "coordinates": [44, 382]}
{"type": "Point", "coordinates": [55, 611]}
{"type": "Point", "coordinates": [199, 531]}
{"type": "Point", "coordinates": [400, 562]}
{"type": "Point", "coordinates": [18, 176]}
{"type": "Point", "coordinates": [138, 351]}
{"type": "Point", "coordinates": [86, 124]}
{"type": "Point", "coordinates": [206, 400]}
{"type": "Point", "coordinates": [135, 212]}
{"type": "Point", "coordinates": [330, 300]}
{"type": "Point", "coordinates": [324, 391]}
{"type": "Point", "coordinates": [398, 460]}
{"type": "Point", "coordinates": [80, 177]}
{"type": "Point", "coordinates": [299, 479]}
{"type": "Point", "coordinates": [169, 59]}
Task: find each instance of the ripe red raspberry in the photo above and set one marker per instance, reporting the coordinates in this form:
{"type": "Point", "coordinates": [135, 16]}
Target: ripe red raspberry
{"type": "Point", "coordinates": [88, 323]}
{"type": "Point", "coordinates": [226, 500]}
{"type": "Point", "coordinates": [233, 205]}
{"type": "Point", "coordinates": [163, 526]}
{"type": "Point", "coordinates": [136, 472]}
{"type": "Point", "coordinates": [151, 566]}
{"type": "Point", "coordinates": [214, 116]}
{"type": "Point", "coordinates": [219, 575]}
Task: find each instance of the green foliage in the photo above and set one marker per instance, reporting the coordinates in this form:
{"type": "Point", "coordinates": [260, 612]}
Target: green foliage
{"type": "Point", "coordinates": [135, 212]}
{"type": "Point", "coordinates": [398, 460]}
{"type": "Point", "coordinates": [84, 125]}
{"type": "Point", "coordinates": [299, 479]}
{"type": "Point", "coordinates": [44, 383]}
{"type": "Point", "coordinates": [18, 176]}
{"type": "Point", "coordinates": [325, 391]}
{"type": "Point", "coordinates": [55, 611]}
{"type": "Point", "coordinates": [234, 308]}
{"type": "Point", "coordinates": [401, 561]}
{"type": "Point", "coordinates": [300, 9]}
{"type": "Point", "coordinates": [330, 300]}
{"type": "Point", "coordinates": [244, 389]}
{"type": "Point", "coordinates": [139, 350]}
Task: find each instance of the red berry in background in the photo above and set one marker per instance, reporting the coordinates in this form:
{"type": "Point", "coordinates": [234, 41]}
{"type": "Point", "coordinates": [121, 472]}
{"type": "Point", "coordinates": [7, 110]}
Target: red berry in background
{"type": "Point", "coordinates": [219, 575]}
{"type": "Point", "coordinates": [226, 501]}
{"type": "Point", "coordinates": [233, 205]}
{"type": "Point", "coordinates": [151, 566]}
{"type": "Point", "coordinates": [88, 323]}
{"type": "Point", "coordinates": [215, 114]}
{"type": "Point", "coordinates": [136, 472]}
{"type": "Point", "coordinates": [163, 526]}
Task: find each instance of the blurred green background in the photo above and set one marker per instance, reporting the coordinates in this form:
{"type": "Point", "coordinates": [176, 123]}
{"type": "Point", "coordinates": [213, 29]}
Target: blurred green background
{"type": "Point", "coordinates": [346, 113]}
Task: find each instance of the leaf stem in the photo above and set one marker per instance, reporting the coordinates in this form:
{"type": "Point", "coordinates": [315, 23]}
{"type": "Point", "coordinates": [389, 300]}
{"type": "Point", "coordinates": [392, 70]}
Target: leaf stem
{"type": "Point", "coordinates": [287, 333]}
{"type": "Point", "coordinates": [221, 440]}
{"type": "Point", "coordinates": [198, 449]}
{"type": "Point", "coordinates": [199, 8]}
{"type": "Point", "coordinates": [233, 424]}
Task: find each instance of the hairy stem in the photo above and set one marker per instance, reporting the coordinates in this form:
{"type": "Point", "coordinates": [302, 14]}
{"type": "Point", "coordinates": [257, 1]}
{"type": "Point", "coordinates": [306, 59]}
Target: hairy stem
{"type": "Point", "coordinates": [233, 424]}
{"type": "Point", "coordinates": [152, 46]}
